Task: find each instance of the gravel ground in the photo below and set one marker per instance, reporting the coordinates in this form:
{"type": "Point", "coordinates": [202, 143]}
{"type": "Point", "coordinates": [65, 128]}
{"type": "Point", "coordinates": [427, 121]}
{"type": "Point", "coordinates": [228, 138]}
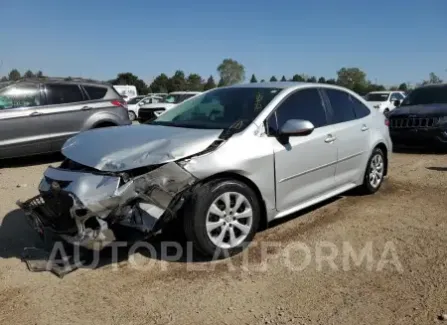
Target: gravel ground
{"type": "Point", "coordinates": [404, 282]}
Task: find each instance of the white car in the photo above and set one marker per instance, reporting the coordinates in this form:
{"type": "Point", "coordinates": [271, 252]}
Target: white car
{"type": "Point", "coordinates": [384, 101]}
{"type": "Point", "coordinates": [149, 112]}
{"type": "Point", "coordinates": [135, 103]}
{"type": "Point", "coordinates": [126, 91]}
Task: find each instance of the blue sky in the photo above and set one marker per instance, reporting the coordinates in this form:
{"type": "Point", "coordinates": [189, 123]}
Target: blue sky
{"type": "Point", "coordinates": [392, 41]}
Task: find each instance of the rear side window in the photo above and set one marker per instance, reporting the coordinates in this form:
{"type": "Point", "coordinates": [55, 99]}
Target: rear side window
{"type": "Point", "coordinates": [342, 106]}
{"type": "Point", "coordinates": [95, 92]}
{"type": "Point", "coordinates": [305, 104]}
{"type": "Point", "coordinates": [63, 94]}
{"type": "Point", "coordinates": [21, 95]}
{"type": "Point", "coordinates": [360, 109]}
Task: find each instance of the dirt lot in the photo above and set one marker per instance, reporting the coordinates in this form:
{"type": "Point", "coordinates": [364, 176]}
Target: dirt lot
{"type": "Point", "coordinates": [407, 215]}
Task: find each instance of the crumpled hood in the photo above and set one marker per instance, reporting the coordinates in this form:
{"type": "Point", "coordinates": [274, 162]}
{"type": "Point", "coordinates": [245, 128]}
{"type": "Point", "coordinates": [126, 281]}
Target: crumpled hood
{"type": "Point", "coordinates": [121, 148]}
{"type": "Point", "coordinates": [421, 110]}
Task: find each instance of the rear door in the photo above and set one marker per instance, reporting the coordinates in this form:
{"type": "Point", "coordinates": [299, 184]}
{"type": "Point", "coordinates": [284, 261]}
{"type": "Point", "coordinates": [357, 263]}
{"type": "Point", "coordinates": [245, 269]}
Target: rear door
{"type": "Point", "coordinates": [23, 128]}
{"type": "Point", "coordinates": [351, 127]}
{"type": "Point", "coordinates": [66, 110]}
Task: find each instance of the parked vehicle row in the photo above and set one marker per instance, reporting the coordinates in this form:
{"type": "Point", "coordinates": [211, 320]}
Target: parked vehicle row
{"type": "Point", "coordinates": [220, 164]}
{"type": "Point", "coordinates": [39, 116]}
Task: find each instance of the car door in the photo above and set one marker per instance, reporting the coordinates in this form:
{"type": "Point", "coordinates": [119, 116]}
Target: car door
{"type": "Point", "coordinates": [304, 165]}
{"type": "Point", "coordinates": [23, 129]}
{"type": "Point", "coordinates": [352, 131]}
{"type": "Point", "coordinates": [67, 108]}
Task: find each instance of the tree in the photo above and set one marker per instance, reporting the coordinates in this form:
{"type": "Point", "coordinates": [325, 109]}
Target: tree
{"type": "Point", "coordinates": [403, 87]}
{"type": "Point", "coordinates": [432, 79]}
{"type": "Point", "coordinates": [4, 79]}
{"type": "Point", "coordinates": [177, 82]}
{"type": "Point", "coordinates": [331, 81]}
{"type": "Point", "coordinates": [39, 74]}
{"type": "Point", "coordinates": [351, 78]}
{"type": "Point", "coordinates": [14, 75]}
{"type": "Point", "coordinates": [273, 79]}
{"type": "Point", "coordinates": [210, 84]}
{"type": "Point", "coordinates": [262, 80]}
{"type": "Point", "coordinates": [194, 82]}
{"type": "Point", "coordinates": [298, 77]}
{"type": "Point", "coordinates": [221, 83]}
{"type": "Point", "coordinates": [231, 72]}
{"type": "Point", "coordinates": [321, 80]}
{"type": "Point", "coordinates": [128, 78]}
{"type": "Point", "coordinates": [311, 79]}
{"type": "Point", "coordinates": [253, 79]}
{"type": "Point", "coordinates": [160, 84]}
{"type": "Point", "coordinates": [29, 74]}
{"type": "Point", "coordinates": [283, 78]}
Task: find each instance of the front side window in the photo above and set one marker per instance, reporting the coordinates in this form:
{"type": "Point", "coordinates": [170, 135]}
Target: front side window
{"type": "Point", "coordinates": [222, 108]}
{"type": "Point", "coordinates": [396, 96]}
{"type": "Point", "coordinates": [342, 106]}
{"type": "Point", "coordinates": [20, 95]}
{"type": "Point", "coordinates": [63, 94]}
{"type": "Point", "coordinates": [427, 95]}
{"type": "Point", "coordinates": [305, 104]}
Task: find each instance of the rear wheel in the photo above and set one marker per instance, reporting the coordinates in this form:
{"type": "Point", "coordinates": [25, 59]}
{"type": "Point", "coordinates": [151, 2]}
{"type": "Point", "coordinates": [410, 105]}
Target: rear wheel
{"type": "Point", "coordinates": [375, 172]}
{"type": "Point", "coordinates": [222, 218]}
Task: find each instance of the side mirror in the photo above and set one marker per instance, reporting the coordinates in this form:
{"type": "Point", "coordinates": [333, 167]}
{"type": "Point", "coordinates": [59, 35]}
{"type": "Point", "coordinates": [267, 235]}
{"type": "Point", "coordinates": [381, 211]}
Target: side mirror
{"type": "Point", "coordinates": [296, 128]}
{"type": "Point", "coordinates": [396, 103]}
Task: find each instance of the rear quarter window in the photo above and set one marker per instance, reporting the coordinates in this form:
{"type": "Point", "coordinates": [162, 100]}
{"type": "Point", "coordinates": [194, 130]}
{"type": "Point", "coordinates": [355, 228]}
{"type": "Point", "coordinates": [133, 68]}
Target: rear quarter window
{"type": "Point", "coordinates": [95, 92]}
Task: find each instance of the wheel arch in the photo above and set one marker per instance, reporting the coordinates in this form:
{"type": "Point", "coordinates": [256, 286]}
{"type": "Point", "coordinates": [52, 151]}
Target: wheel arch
{"type": "Point", "coordinates": [243, 179]}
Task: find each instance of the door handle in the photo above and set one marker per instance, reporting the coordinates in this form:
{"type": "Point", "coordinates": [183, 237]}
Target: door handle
{"type": "Point", "coordinates": [86, 108]}
{"type": "Point", "coordinates": [330, 138]}
{"type": "Point", "coordinates": [35, 114]}
{"type": "Point", "coordinates": [365, 128]}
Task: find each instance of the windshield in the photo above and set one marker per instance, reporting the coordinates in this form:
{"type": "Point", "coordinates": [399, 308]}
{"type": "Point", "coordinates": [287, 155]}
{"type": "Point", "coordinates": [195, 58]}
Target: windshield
{"type": "Point", "coordinates": [377, 97]}
{"type": "Point", "coordinates": [427, 95]}
{"type": "Point", "coordinates": [135, 100]}
{"type": "Point", "coordinates": [220, 108]}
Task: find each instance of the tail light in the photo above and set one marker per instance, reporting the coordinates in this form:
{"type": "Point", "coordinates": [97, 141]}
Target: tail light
{"type": "Point", "coordinates": [121, 103]}
{"type": "Point", "coordinates": [387, 122]}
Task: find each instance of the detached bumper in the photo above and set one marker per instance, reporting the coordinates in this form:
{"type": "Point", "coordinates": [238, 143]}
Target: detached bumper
{"type": "Point", "coordinates": [80, 207]}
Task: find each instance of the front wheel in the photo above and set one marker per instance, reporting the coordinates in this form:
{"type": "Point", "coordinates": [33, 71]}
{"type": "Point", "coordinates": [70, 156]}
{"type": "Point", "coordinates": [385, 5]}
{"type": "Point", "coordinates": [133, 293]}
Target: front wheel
{"type": "Point", "coordinates": [222, 218]}
{"type": "Point", "coordinates": [375, 172]}
{"type": "Point", "coordinates": [132, 116]}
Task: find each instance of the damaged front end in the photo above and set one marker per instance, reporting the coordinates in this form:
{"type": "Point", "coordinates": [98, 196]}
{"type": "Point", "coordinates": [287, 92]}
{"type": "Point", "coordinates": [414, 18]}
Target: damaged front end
{"type": "Point", "coordinates": [82, 205]}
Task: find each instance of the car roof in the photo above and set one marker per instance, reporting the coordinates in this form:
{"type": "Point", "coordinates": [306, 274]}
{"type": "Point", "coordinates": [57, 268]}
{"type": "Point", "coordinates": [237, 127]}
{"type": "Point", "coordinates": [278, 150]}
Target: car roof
{"type": "Point", "coordinates": [72, 81]}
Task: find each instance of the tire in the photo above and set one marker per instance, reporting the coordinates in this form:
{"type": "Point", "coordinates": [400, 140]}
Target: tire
{"type": "Point", "coordinates": [198, 218]}
{"type": "Point", "coordinates": [132, 116]}
{"type": "Point", "coordinates": [372, 184]}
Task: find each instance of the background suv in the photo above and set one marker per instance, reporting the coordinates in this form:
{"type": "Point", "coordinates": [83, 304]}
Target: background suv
{"type": "Point", "coordinates": [38, 116]}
